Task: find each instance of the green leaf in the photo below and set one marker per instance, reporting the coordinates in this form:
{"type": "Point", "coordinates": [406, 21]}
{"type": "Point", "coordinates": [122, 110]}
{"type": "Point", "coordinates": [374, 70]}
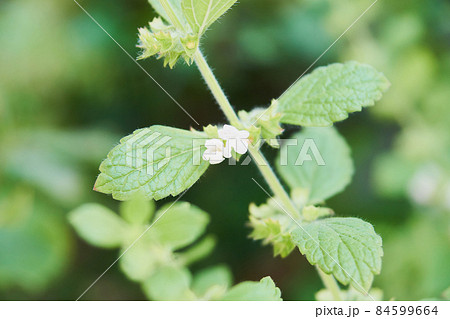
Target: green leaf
{"type": "Point", "coordinates": [176, 7]}
{"type": "Point", "coordinates": [137, 211]}
{"type": "Point", "coordinates": [157, 162]}
{"type": "Point", "coordinates": [35, 250]}
{"type": "Point", "coordinates": [169, 283]}
{"type": "Point", "coordinates": [98, 225]}
{"type": "Point", "coordinates": [217, 278]}
{"type": "Point", "coordinates": [264, 290]}
{"type": "Point", "coordinates": [142, 259]}
{"type": "Point", "coordinates": [329, 93]}
{"type": "Point", "coordinates": [348, 248]}
{"type": "Point", "coordinates": [198, 251]}
{"type": "Point", "coordinates": [319, 162]}
{"type": "Point", "coordinates": [201, 14]}
{"type": "Point", "coordinates": [178, 225]}
{"type": "Point", "coordinates": [175, 226]}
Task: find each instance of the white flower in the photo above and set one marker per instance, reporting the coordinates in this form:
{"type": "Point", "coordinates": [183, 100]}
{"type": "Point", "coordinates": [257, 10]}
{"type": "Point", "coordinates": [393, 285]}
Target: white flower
{"type": "Point", "coordinates": [235, 139]}
{"type": "Point", "coordinates": [230, 138]}
{"type": "Point", "coordinates": [214, 151]}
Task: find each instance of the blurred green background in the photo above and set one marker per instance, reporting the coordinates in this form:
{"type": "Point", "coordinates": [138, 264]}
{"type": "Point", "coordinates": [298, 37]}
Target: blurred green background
{"type": "Point", "coordinates": [68, 93]}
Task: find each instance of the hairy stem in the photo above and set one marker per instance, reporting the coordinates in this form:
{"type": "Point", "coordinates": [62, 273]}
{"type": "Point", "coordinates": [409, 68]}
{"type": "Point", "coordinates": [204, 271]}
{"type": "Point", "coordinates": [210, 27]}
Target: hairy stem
{"type": "Point", "coordinates": [331, 284]}
{"type": "Point", "coordinates": [258, 157]}
{"type": "Point", "coordinates": [216, 90]}
{"type": "Point", "coordinates": [262, 164]}
{"type": "Point", "coordinates": [271, 179]}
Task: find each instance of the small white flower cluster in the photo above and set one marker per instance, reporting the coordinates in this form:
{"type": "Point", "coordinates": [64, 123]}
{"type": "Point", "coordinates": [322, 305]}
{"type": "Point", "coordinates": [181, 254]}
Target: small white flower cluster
{"type": "Point", "coordinates": [217, 149]}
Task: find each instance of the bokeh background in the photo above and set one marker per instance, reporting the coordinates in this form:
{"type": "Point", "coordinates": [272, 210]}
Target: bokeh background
{"type": "Point", "coordinates": [68, 93]}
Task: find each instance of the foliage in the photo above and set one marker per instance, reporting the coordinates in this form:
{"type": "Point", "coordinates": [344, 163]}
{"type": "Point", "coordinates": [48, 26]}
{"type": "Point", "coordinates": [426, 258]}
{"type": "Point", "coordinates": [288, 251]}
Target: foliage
{"type": "Point", "coordinates": [325, 96]}
{"type": "Point", "coordinates": [348, 248]}
{"type": "Point", "coordinates": [150, 169]}
{"type": "Point", "coordinates": [40, 238]}
{"type": "Point", "coordinates": [66, 91]}
{"type": "Point", "coordinates": [329, 93]}
{"type": "Point", "coordinates": [153, 250]}
{"type": "Point", "coordinates": [413, 168]}
{"type": "Point", "coordinates": [188, 20]}
{"type": "Point", "coordinates": [324, 179]}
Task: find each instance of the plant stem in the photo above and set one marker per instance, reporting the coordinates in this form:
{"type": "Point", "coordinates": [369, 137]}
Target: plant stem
{"type": "Point", "coordinates": [259, 158]}
{"type": "Point", "coordinates": [271, 179]}
{"type": "Point", "coordinates": [216, 90]}
{"type": "Point", "coordinates": [331, 284]}
{"type": "Point", "coordinates": [261, 162]}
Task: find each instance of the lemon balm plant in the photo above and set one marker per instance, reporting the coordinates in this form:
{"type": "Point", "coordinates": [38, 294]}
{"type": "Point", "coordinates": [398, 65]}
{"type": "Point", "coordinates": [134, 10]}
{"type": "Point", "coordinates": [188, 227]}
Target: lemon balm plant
{"type": "Point", "coordinates": [156, 162]}
{"type": "Point", "coordinates": [159, 259]}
